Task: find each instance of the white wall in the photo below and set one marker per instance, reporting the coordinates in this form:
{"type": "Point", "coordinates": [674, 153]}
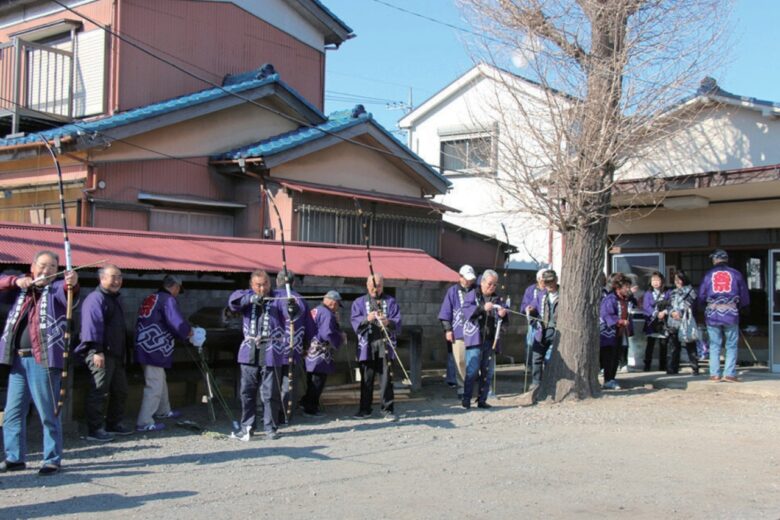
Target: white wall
{"type": "Point", "coordinates": [715, 139]}
{"type": "Point", "coordinates": [485, 104]}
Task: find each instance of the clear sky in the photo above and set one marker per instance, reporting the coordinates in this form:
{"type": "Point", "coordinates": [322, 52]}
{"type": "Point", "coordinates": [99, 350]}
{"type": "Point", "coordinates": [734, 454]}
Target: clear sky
{"type": "Point", "coordinates": [394, 52]}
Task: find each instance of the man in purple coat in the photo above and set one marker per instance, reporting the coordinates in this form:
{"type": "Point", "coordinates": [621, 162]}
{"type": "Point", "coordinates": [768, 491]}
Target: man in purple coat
{"type": "Point", "coordinates": [263, 329]}
{"type": "Point", "coordinates": [159, 323]}
{"type": "Point", "coordinates": [451, 318]}
{"type": "Point", "coordinates": [376, 319]}
{"type": "Point", "coordinates": [724, 293]}
{"type": "Point", "coordinates": [103, 342]}
{"type": "Point", "coordinates": [481, 312]}
{"type": "Point", "coordinates": [32, 344]}
{"type": "Point", "coordinates": [319, 356]}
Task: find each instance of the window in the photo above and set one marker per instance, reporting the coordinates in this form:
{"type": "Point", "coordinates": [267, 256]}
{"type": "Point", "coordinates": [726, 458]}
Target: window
{"type": "Point", "coordinates": [470, 154]}
{"type": "Point", "coordinates": [343, 226]}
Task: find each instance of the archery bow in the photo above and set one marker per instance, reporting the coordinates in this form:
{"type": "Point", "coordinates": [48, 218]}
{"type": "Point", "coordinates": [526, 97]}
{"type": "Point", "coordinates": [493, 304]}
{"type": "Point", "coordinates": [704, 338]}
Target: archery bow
{"type": "Point", "coordinates": [508, 305]}
{"type": "Point", "coordinates": [68, 267]}
{"type": "Point", "coordinates": [286, 407]}
{"type": "Point", "coordinates": [387, 338]}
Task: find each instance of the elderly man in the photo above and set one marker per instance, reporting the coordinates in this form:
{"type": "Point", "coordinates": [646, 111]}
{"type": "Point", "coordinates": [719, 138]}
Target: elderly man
{"type": "Point", "coordinates": [376, 319]}
{"type": "Point", "coordinates": [319, 357]}
{"type": "Point", "coordinates": [545, 309]}
{"type": "Point", "coordinates": [103, 342]}
{"type": "Point", "coordinates": [724, 292]}
{"type": "Point", "coordinates": [451, 318]}
{"type": "Point", "coordinates": [32, 344]}
{"type": "Point", "coordinates": [159, 323]}
{"type": "Point", "coordinates": [481, 311]}
{"type": "Point", "coordinates": [263, 321]}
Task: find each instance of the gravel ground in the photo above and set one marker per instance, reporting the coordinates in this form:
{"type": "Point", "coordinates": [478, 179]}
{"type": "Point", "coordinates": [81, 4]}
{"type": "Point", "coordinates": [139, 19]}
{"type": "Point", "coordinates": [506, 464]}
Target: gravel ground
{"type": "Point", "coordinates": [639, 452]}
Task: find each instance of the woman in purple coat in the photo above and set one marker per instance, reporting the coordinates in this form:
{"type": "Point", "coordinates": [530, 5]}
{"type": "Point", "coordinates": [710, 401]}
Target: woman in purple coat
{"type": "Point", "coordinates": [319, 356]}
{"type": "Point", "coordinates": [615, 327]}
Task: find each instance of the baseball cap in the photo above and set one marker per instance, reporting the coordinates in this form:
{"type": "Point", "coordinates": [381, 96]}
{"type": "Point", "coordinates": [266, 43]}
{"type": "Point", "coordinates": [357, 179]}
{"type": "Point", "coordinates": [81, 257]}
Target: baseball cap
{"type": "Point", "coordinates": [719, 255]}
{"type": "Point", "coordinates": [333, 295]}
{"type": "Point", "coordinates": [467, 272]}
{"type": "Point", "coordinates": [549, 276]}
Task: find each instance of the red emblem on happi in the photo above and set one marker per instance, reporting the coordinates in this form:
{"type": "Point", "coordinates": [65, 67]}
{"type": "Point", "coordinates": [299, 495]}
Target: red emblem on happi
{"type": "Point", "coordinates": [721, 282]}
{"type": "Point", "coordinates": [147, 306]}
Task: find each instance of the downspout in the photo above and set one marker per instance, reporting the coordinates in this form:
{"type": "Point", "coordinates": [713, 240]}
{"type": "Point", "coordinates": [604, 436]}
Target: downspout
{"type": "Point", "coordinates": [85, 195]}
{"type": "Point", "coordinates": [114, 65]}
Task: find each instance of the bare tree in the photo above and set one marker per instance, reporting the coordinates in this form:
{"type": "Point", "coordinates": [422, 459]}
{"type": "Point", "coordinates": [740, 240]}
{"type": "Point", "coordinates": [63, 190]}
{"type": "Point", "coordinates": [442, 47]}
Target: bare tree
{"type": "Point", "coordinates": [603, 76]}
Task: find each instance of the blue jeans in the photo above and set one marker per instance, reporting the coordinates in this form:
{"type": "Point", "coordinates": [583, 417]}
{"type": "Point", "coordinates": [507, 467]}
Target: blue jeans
{"type": "Point", "coordinates": [716, 334]}
{"type": "Point", "coordinates": [28, 382]}
{"type": "Point", "coordinates": [478, 361]}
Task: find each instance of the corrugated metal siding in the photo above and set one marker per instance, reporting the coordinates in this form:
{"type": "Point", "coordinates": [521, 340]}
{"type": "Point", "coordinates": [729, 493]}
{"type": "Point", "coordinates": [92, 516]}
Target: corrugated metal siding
{"type": "Point", "coordinates": [170, 177]}
{"type": "Point", "coordinates": [169, 252]}
{"type": "Point", "coordinates": [120, 219]}
{"type": "Point", "coordinates": [211, 39]}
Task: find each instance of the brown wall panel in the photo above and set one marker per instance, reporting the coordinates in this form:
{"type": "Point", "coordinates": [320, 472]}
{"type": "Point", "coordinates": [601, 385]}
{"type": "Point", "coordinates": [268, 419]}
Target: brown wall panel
{"type": "Point", "coordinates": [210, 39]}
{"type": "Point", "coordinates": [120, 219]}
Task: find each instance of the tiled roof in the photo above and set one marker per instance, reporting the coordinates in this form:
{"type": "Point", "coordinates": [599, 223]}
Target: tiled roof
{"type": "Point", "coordinates": [157, 109]}
{"type": "Point", "coordinates": [146, 251]}
{"type": "Point", "coordinates": [336, 122]}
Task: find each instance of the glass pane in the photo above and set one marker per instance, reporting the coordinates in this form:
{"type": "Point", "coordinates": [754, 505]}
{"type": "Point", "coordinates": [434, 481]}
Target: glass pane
{"type": "Point", "coordinates": [453, 155]}
{"type": "Point", "coordinates": [641, 266]}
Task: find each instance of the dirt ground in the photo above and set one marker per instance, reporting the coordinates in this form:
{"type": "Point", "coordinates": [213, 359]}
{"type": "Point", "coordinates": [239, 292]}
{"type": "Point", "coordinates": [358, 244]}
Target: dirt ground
{"type": "Point", "coordinates": [638, 453]}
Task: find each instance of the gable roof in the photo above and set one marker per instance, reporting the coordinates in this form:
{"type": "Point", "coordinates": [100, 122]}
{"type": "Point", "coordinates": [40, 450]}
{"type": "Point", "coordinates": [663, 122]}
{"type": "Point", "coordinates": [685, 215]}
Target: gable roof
{"type": "Point", "coordinates": [710, 91]}
{"type": "Point", "coordinates": [263, 82]}
{"type": "Point", "coordinates": [340, 125]}
{"type": "Point", "coordinates": [471, 77]}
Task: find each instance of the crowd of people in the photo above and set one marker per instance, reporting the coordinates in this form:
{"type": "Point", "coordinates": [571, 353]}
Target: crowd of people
{"type": "Point", "coordinates": [280, 331]}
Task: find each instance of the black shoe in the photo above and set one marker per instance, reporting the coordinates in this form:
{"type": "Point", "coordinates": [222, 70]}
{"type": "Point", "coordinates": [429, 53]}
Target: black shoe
{"type": "Point", "coordinates": [13, 466]}
{"type": "Point", "coordinates": [100, 436]}
{"type": "Point", "coordinates": [361, 414]}
{"type": "Point", "coordinates": [49, 469]}
{"type": "Point", "coordinates": [466, 403]}
{"type": "Point", "coordinates": [484, 405]}
{"type": "Point", "coordinates": [119, 429]}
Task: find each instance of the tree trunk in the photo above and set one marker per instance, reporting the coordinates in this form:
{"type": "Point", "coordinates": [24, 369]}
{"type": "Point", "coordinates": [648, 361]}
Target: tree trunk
{"type": "Point", "coordinates": [574, 367]}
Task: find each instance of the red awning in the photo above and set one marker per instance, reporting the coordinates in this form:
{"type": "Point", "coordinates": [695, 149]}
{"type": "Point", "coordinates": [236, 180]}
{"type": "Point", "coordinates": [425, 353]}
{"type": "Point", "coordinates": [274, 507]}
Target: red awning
{"type": "Point", "coordinates": [146, 251]}
{"type": "Point", "coordinates": [363, 195]}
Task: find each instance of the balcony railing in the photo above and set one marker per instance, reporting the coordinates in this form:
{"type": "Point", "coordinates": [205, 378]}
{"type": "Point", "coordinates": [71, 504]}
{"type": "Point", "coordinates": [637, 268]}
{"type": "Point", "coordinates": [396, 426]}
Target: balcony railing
{"type": "Point", "coordinates": [36, 81]}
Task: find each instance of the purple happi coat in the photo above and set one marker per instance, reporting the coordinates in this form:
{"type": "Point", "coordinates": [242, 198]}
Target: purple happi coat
{"type": "Point", "coordinates": [543, 323]}
{"type": "Point", "coordinates": [452, 309]}
{"type": "Point", "coordinates": [327, 339]}
{"type": "Point", "coordinates": [303, 329]}
{"type": "Point", "coordinates": [724, 292]}
{"type": "Point", "coordinates": [477, 323]}
{"type": "Point", "coordinates": [649, 306]}
{"type": "Point", "coordinates": [609, 315]}
{"type": "Point", "coordinates": [262, 325]}
{"type": "Point", "coordinates": [360, 310]}
{"type": "Point", "coordinates": [159, 322]}
{"type": "Point", "coordinates": [46, 324]}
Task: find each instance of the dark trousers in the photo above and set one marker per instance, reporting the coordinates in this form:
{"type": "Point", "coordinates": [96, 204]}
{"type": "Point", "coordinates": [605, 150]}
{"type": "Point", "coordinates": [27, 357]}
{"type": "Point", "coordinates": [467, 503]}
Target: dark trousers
{"type": "Point", "coordinates": [538, 352]}
{"type": "Point", "coordinates": [107, 383]}
{"type": "Point", "coordinates": [268, 381]}
{"type": "Point", "coordinates": [609, 356]}
{"type": "Point", "coordinates": [368, 371]}
{"type": "Point", "coordinates": [673, 364]}
{"type": "Point", "coordinates": [662, 353]}
{"type": "Point", "coordinates": [478, 360]}
{"type": "Point", "coordinates": [315, 384]}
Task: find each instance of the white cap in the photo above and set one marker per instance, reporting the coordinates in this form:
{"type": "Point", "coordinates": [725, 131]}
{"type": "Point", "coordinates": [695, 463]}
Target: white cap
{"type": "Point", "coordinates": [468, 273]}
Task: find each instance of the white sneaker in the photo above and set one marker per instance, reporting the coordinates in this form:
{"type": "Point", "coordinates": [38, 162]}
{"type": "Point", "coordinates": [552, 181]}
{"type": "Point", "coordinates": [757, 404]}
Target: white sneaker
{"type": "Point", "coordinates": [242, 435]}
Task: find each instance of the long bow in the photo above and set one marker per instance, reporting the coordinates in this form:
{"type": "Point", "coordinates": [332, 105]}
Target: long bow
{"type": "Point", "coordinates": [68, 267]}
{"type": "Point", "coordinates": [388, 340]}
{"type": "Point", "coordinates": [287, 408]}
